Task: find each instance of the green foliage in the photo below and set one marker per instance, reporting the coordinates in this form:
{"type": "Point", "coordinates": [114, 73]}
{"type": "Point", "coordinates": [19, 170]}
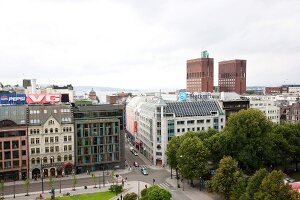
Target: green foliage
{"type": "Point", "coordinates": [172, 149]}
{"type": "Point", "coordinates": [226, 176]}
{"type": "Point", "coordinates": [156, 193]}
{"type": "Point", "coordinates": [239, 188]}
{"type": "Point", "coordinates": [273, 187]}
{"type": "Point", "coordinates": [248, 138]}
{"type": "Point", "coordinates": [1, 185]}
{"type": "Point", "coordinates": [144, 192]}
{"type": "Point", "coordinates": [116, 188]}
{"type": "Point", "coordinates": [130, 196]}
{"type": "Point", "coordinates": [217, 146]}
{"type": "Point", "coordinates": [254, 183]}
{"type": "Point", "coordinates": [51, 182]}
{"type": "Point", "coordinates": [74, 181]}
{"type": "Point", "coordinates": [27, 186]}
{"type": "Point", "coordinates": [192, 158]}
{"type": "Point", "coordinates": [94, 179]}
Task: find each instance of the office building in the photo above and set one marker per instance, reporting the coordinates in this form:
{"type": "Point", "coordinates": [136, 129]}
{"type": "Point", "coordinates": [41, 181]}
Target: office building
{"type": "Point", "coordinates": [200, 74]}
{"type": "Point", "coordinates": [99, 136]}
{"type": "Point", "coordinates": [232, 76]}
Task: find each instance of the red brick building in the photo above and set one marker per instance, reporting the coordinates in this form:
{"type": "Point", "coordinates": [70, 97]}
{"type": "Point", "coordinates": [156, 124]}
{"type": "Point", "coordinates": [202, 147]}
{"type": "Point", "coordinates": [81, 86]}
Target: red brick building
{"type": "Point", "coordinates": [273, 90]}
{"type": "Point", "coordinates": [232, 76]}
{"type": "Point", "coordinates": [200, 75]}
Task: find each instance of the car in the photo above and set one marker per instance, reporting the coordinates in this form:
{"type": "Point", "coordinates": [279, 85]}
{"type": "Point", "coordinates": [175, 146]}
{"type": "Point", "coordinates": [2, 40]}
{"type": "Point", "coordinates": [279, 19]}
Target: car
{"type": "Point", "coordinates": [144, 171]}
{"type": "Point", "coordinates": [136, 164]}
{"type": "Point", "coordinates": [135, 153]}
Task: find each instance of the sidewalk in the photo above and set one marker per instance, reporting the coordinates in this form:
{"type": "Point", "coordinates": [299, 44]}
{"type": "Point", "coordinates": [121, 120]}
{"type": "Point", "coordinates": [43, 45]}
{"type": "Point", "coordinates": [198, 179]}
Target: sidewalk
{"type": "Point", "coordinates": [131, 186]}
{"type": "Point", "coordinates": [79, 176]}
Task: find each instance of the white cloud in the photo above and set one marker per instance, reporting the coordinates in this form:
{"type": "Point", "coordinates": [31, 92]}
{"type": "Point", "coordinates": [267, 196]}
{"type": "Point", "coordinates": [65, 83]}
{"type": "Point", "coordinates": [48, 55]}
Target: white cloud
{"type": "Point", "coordinates": [145, 44]}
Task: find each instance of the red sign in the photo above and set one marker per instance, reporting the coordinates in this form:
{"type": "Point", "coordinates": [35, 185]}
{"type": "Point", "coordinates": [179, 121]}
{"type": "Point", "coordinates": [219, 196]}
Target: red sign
{"type": "Point", "coordinates": [43, 98]}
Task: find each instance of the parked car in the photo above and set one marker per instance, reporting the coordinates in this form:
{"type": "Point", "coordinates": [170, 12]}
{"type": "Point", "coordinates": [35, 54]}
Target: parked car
{"type": "Point", "coordinates": [135, 153]}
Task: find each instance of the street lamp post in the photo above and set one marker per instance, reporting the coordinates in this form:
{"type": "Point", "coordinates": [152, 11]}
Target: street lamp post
{"type": "Point", "coordinates": [42, 174]}
{"type": "Point", "coordinates": [103, 176]}
{"type": "Point", "coordinates": [60, 185]}
{"type": "Point", "coordinates": [14, 187]}
{"type": "Point", "coordinates": [181, 156]}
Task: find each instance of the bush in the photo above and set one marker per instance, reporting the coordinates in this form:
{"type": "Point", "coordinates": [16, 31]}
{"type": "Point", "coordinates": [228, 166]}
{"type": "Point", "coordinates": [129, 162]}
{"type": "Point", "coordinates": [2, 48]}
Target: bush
{"type": "Point", "coordinates": [144, 192]}
{"type": "Point", "coordinates": [130, 196]}
{"type": "Point", "coordinates": [116, 188]}
{"type": "Point", "coordinates": [208, 186]}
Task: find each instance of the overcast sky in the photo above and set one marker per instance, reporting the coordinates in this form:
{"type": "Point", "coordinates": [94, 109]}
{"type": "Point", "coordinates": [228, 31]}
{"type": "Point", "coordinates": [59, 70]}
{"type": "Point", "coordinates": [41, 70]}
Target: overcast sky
{"type": "Point", "coordinates": [143, 44]}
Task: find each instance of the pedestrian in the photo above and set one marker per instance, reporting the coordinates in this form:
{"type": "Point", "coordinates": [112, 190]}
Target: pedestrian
{"type": "Point", "coordinates": [126, 179]}
{"type": "Point", "coordinates": [121, 197]}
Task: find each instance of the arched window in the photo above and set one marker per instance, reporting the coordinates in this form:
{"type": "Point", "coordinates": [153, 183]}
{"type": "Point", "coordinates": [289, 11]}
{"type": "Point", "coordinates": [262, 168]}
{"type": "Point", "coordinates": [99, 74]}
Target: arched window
{"type": "Point", "coordinates": [38, 131]}
{"type": "Point", "coordinates": [33, 161]}
{"type": "Point", "coordinates": [65, 158]}
{"type": "Point", "coordinates": [46, 130]}
{"type": "Point", "coordinates": [38, 161]}
{"type": "Point", "coordinates": [58, 158]}
{"type": "Point", "coordinates": [52, 159]}
{"type": "Point", "coordinates": [70, 156]}
{"type": "Point", "coordinates": [51, 130]}
{"type": "Point", "coordinates": [70, 129]}
{"type": "Point", "coordinates": [64, 129]}
{"type": "Point", "coordinates": [56, 130]}
{"type": "Point", "coordinates": [45, 160]}
{"type": "Point", "coordinates": [31, 131]}
{"type": "Point", "coordinates": [34, 131]}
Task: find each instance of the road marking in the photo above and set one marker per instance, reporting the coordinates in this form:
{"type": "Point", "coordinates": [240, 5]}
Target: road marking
{"type": "Point", "coordinates": [164, 185]}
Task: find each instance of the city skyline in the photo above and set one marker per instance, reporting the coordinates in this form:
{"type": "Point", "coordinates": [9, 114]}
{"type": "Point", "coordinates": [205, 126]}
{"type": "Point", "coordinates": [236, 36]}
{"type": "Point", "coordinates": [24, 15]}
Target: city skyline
{"type": "Point", "coordinates": [145, 45]}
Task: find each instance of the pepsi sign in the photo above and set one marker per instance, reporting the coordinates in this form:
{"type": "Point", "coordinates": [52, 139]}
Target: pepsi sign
{"type": "Point", "coordinates": [12, 99]}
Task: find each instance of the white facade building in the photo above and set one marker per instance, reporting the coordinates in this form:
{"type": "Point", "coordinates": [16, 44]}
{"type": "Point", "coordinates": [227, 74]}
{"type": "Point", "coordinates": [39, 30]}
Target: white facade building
{"type": "Point", "coordinates": [269, 107]}
{"type": "Point", "coordinates": [50, 140]}
{"type": "Point", "coordinates": [158, 121]}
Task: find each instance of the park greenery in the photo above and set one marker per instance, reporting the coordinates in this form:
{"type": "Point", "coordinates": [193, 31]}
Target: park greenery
{"type": "Point", "coordinates": [94, 196]}
{"type": "Point", "coordinates": [249, 146]}
{"type": "Point", "coordinates": [130, 196]}
{"type": "Point", "coordinates": [155, 193]}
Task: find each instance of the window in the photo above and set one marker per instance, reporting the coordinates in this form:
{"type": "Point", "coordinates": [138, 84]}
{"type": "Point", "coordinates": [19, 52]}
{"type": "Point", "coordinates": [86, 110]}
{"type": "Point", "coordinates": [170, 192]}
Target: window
{"type": "Point", "coordinates": [32, 150]}
{"type": "Point", "coordinates": [51, 140]}
{"type": "Point", "coordinates": [56, 148]}
{"type": "Point", "coordinates": [56, 138]}
{"type": "Point", "coordinates": [46, 130]}
{"type": "Point", "coordinates": [37, 140]}
{"type": "Point", "coordinates": [69, 138]}
{"type": "Point", "coordinates": [65, 157]}
{"type": "Point", "coordinates": [33, 161]}
{"type": "Point", "coordinates": [70, 156]}
{"type": "Point", "coordinates": [45, 160]}
{"type": "Point", "coordinates": [65, 147]}
{"type": "Point", "coordinates": [51, 149]}
{"type": "Point", "coordinates": [46, 140]}
{"type": "Point", "coordinates": [208, 121]}
{"type": "Point", "coordinates": [46, 149]}
{"type": "Point", "coordinates": [32, 140]}
{"type": "Point", "coordinates": [51, 130]}
{"type": "Point", "coordinates": [58, 158]}
{"type": "Point", "coordinates": [23, 152]}
{"type": "Point", "coordinates": [70, 147]}
{"type": "Point", "coordinates": [51, 159]}
{"type": "Point", "coordinates": [23, 142]}
{"type": "Point", "coordinates": [65, 138]}
{"type": "Point", "coordinates": [56, 130]}
{"type": "Point", "coordinates": [38, 161]}
{"type": "Point", "coordinates": [37, 150]}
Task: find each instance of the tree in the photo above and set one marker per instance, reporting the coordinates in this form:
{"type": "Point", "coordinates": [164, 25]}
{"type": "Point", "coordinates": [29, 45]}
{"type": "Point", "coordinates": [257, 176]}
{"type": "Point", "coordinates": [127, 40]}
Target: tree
{"type": "Point", "coordinates": [248, 139]}
{"type": "Point", "coordinates": [27, 186]}
{"type": "Point", "coordinates": [2, 187]}
{"type": "Point", "coordinates": [94, 179]}
{"type": "Point", "coordinates": [171, 152]}
{"type": "Point", "coordinates": [74, 181]}
{"type": "Point", "coordinates": [226, 176]}
{"type": "Point", "coordinates": [130, 196]}
{"type": "Point", "coordinates": [273, 187]}
{"type": "Point", "coordinates": [51, 182]}
{"type": "Point", "coordinates": [239, 188]}
{"type": "Point", "coordinates": [192, 158]}
{"type": "Point", "coordinates": [254, 183]}
{"type": "Point", "coordinates": [156, 193]}
{"type": "Point", "coordinates": [217, 145]}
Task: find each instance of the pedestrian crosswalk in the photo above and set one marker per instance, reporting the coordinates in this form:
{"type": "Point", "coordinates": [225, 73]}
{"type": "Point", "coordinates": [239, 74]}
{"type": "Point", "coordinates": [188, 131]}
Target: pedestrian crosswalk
{"type": "Point", "coordinates": [164, 185]}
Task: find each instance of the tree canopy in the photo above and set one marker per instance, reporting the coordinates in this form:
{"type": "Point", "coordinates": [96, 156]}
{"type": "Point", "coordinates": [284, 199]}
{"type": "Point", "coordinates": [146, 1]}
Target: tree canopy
{"type": "Point", "coordinates": [156, 193]}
